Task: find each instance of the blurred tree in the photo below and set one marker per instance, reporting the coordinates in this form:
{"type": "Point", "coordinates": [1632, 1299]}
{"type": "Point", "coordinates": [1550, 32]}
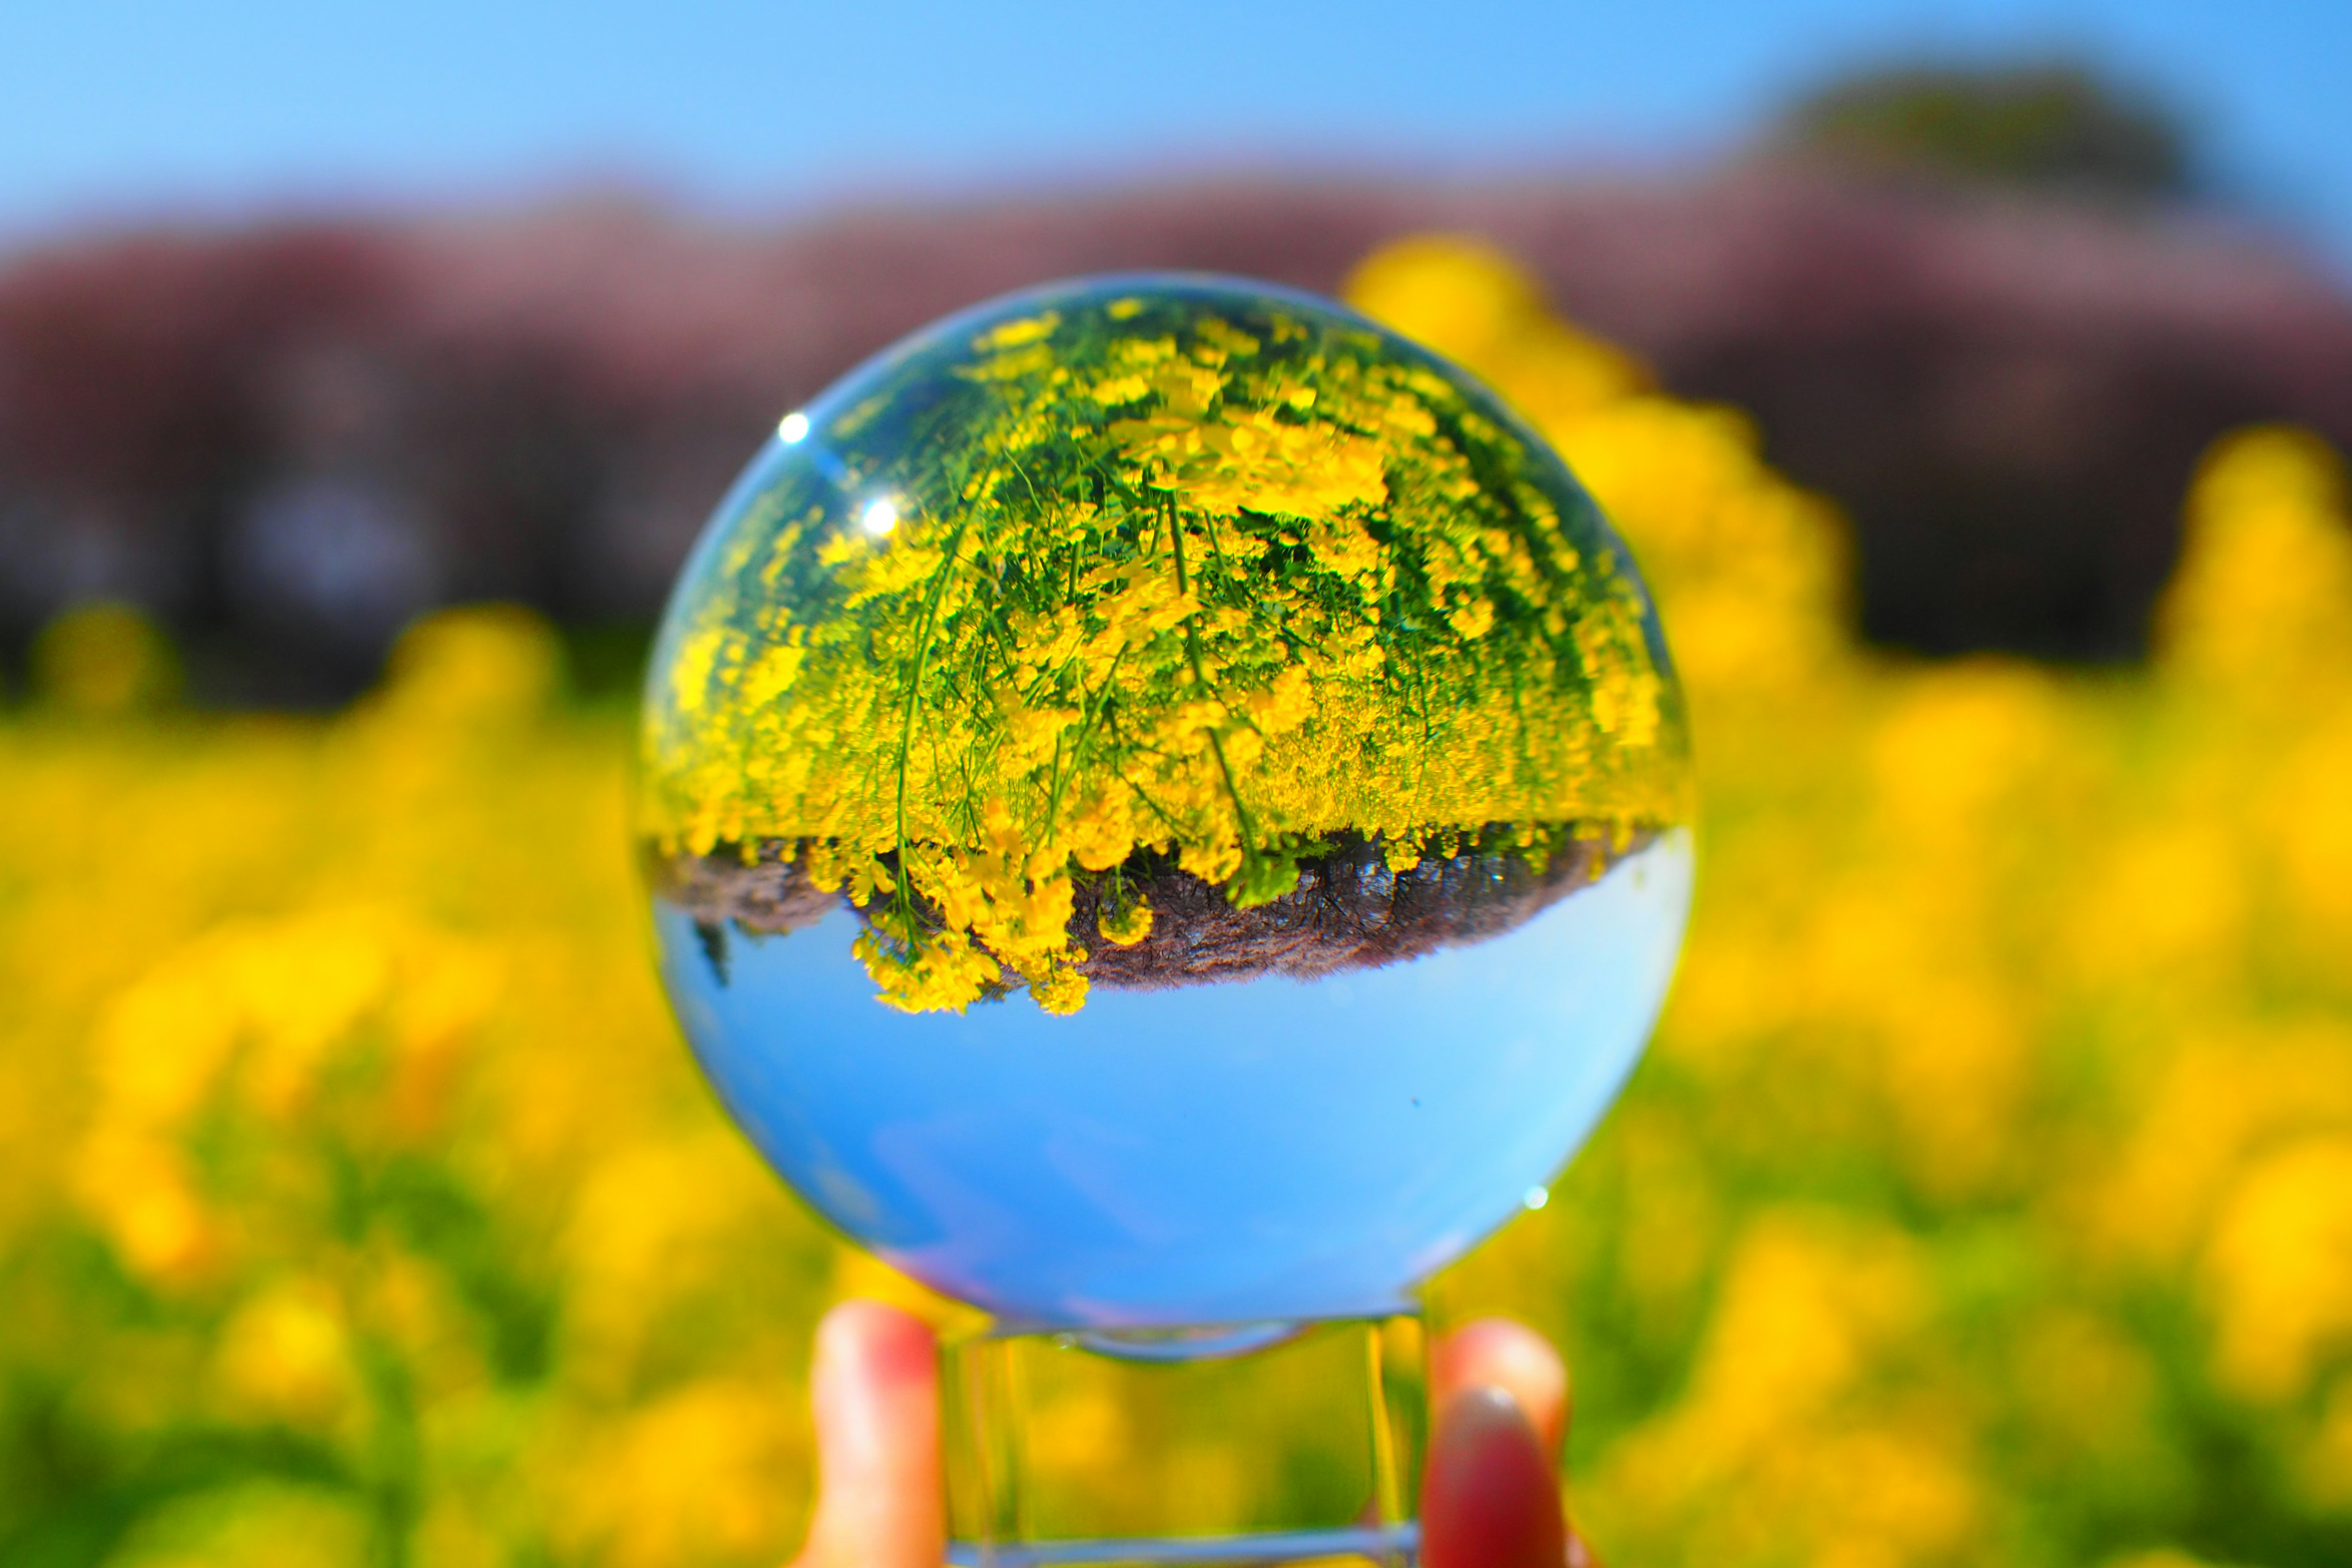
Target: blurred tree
{"type": "Point", "coordinates": [284, 441]}
{"type": "Point", "coordinates": [104, 657]}
{"type": "Point", "coordinates": [2053, 125]}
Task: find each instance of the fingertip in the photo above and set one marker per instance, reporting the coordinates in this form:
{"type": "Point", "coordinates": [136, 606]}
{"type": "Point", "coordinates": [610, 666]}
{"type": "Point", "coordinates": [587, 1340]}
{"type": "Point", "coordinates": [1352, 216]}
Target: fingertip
{"type": "Point", "coordinates": [875, 1392]}
{"type": "Point", "coordinates": [1500, 1354]}
{"type": "Point", "coordinates": [1490, 1498]}
{"type": "Point", "coordinates": [875, 1341]}
{"type": "Point", "coordinates": [876, 1389]}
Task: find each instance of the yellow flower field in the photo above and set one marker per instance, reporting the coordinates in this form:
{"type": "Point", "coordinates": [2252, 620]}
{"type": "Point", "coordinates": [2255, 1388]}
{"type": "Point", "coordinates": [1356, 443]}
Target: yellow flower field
{"type": "Point", "coordinates": [1117, 632]}
{"type": "Point", "coordinates": [1986, 1198]}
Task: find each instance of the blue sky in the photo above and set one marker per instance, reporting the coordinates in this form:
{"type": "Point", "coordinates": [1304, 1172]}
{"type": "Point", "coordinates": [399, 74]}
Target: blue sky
{"type": "Point", "coordinates": [112, 110]}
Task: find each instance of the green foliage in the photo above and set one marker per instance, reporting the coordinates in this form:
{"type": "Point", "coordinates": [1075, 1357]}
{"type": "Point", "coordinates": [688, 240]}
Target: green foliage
{"type": "Point", "coordinates": [1169, 568]}
{"type": "Point", "coordinates": [2060, 126]}
{"type": "Point", "coordinates": [1987, 1196]}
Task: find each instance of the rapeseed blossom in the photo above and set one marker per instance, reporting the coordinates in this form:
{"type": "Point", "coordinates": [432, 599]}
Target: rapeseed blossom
{"type": "Point", "coordinates": [1196, 575]}
{"type": "Point", "coordinates": [1986, 1195]}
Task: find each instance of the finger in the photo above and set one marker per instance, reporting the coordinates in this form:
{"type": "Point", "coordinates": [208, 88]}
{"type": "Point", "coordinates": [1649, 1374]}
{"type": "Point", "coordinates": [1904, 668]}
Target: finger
{"type": "Point", "coordinates": [876, 1389]}
{"type": "Point", "coordinates": [1490, 1498]}
{"type": "Point", "coordinates": [1495, 1353]}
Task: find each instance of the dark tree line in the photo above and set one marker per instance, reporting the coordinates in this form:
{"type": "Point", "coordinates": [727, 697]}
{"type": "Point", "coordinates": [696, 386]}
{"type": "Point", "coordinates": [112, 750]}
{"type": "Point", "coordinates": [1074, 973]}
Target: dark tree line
{"type": "Point", "coordinates": [287, 439]}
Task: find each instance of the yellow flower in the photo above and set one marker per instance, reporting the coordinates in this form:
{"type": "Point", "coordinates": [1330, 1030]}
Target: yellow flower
{"type": "Point", "coordinates": [1130, 925]}
{"type": "Point", "coordinates": [1302, 585]}
{"type": "Point", "coordinates": [2278, 1270]}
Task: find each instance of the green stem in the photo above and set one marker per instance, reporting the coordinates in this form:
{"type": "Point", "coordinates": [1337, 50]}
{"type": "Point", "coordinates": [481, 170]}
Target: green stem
{"type": "Point", "coordinates": [1200, 683]}
{"type": "Point", "coordinates": [906, 722]}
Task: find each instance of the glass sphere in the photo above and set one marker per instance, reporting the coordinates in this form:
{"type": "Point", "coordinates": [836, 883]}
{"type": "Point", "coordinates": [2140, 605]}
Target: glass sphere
{"type": "Point", "coordinates": [1165, 805]}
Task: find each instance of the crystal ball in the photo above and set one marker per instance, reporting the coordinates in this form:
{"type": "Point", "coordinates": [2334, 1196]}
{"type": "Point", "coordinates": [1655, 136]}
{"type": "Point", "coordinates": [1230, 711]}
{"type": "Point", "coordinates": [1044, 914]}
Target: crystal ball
{"type": "Point", "coordinates": [1164, 805]}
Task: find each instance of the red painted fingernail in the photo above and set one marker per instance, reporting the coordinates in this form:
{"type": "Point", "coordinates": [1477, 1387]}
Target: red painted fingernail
{"type": "Point", "coordinates": [1489, 1499]}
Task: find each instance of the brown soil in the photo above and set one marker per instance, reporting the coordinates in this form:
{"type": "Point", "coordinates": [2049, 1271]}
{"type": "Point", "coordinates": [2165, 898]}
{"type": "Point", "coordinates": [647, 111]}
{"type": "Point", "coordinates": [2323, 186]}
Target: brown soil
{"type": "Point", "coordinates": [1348, 911]}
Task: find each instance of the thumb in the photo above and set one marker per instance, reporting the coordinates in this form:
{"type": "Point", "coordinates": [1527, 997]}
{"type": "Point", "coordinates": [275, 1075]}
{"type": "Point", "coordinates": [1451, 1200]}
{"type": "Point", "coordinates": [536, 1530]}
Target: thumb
{"type": "Point", "coordinates": [876, 1389]}
{"type": "Point", "coordinates": [1489, 1496]}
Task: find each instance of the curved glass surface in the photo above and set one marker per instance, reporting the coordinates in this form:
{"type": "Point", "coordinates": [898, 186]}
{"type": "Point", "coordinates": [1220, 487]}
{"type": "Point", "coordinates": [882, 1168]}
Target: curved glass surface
{"type": "Point", "coordinates": [1165, 805]}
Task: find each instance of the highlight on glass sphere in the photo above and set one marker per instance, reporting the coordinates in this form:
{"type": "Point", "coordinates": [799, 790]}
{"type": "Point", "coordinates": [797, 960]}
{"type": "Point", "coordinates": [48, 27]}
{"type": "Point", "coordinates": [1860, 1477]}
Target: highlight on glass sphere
{"type": "Point", "coordinates": [1166, 805]}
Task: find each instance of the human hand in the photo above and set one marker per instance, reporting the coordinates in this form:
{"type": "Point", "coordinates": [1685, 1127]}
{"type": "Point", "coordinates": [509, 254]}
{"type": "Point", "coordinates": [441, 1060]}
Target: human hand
{"type": "Point", "coordinates": [1490, 1496]}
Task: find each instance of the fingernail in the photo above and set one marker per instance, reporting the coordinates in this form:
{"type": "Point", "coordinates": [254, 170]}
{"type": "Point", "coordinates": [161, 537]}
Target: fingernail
{"type": "Point", "coordinates": [1499, 1353]}
{"type": "Point", "coordinates": [876, 1397]}
{"type": "Point", "coordinates": [1489, 1499]}
{"type": "Point", "coordinates": [838, 1386]}
{"type": "Point", "coordinates": [873, 1367]}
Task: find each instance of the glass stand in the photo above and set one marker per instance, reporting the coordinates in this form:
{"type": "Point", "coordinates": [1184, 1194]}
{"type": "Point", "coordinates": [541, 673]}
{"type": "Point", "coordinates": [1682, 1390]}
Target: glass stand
{"type": "Point", "coordinates": [1242, 1443]}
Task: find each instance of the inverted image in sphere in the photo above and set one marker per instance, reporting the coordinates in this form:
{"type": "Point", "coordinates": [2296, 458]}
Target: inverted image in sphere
{"type": "Point", "coordinates": [1148, 666]}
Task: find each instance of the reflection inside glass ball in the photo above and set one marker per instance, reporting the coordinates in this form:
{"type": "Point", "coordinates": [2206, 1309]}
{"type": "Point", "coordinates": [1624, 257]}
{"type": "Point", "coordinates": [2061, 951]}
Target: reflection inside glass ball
{"type": "Point", "coordinates": [1165, 805]}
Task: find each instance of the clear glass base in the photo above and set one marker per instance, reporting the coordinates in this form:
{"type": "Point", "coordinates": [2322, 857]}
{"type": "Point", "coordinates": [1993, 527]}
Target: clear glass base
{"type": "Point", "coordinates": [1239, 1443]}
{"type": "Point", "coordinates": [1386, 1546]}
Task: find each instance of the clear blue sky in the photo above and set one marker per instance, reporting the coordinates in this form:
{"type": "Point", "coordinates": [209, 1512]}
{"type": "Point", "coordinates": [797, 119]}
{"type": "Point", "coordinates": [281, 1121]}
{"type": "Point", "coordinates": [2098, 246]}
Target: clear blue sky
{"type": "Point", "coordinates": [111, 109]}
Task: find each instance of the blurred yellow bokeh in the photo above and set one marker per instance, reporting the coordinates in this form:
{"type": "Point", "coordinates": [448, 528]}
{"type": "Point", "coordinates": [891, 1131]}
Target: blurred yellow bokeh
{"type": "Point", "coordinates": [1986, 1195]}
